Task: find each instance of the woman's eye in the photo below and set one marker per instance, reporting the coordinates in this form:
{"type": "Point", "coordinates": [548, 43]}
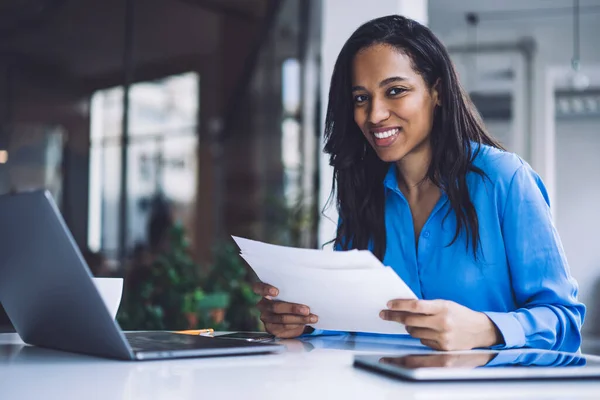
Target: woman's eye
{"type": "Point", "coordinates": [360, 98]}
{"type": "Point", "coordinates": [396, 91]}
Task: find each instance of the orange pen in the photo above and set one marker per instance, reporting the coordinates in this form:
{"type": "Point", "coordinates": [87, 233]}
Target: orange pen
{"type": "Point", "coordinates": [205, 332]}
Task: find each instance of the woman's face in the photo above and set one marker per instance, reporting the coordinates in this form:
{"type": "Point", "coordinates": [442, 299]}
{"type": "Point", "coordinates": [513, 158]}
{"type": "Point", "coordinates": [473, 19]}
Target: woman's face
{"type": "Point", "coordinates": [393, 107]}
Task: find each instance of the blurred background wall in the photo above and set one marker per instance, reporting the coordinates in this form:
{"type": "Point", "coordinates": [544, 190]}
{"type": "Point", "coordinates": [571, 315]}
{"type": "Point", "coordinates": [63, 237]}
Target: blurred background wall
{"type": "Point", "coordinates": [213, 109]}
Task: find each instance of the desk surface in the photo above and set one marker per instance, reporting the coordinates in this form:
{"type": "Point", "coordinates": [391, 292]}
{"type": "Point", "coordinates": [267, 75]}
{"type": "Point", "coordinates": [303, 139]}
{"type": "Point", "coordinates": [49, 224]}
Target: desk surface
{"type": "Point", "coordinates": [320, 368]}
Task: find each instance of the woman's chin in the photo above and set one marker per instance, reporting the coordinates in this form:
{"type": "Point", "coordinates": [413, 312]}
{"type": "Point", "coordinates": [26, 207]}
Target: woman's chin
{"type": "Point", "coordinates": [390, 155]}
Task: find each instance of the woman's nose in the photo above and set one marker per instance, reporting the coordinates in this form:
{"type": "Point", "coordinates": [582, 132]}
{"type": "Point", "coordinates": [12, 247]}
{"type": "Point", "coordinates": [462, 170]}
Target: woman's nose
{"type": "Point", "coordinates": [378, 112]}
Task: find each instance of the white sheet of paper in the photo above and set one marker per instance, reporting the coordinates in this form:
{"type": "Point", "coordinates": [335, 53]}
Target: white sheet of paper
{"type": "Point", "coordinates": [344, 299]}
{"type": "Point", "coordinates": [287, 257]}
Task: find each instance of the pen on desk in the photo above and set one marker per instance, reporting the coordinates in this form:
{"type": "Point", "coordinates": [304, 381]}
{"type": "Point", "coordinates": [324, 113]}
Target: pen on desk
{"type": "Point", "coordinates": [203, 332]}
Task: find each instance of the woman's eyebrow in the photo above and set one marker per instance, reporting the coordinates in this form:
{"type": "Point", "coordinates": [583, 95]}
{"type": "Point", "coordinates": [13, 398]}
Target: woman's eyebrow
{"type": "Point", "coordinates": [383, 83]}
{"type": "Point", "coordinates": [392, 79]}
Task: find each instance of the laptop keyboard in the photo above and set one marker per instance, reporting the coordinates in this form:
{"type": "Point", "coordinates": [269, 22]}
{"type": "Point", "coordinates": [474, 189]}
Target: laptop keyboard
{"type": "Point", "coordinates": [165, 341]}
{"type": "Point", "coordinates": [140, 341]}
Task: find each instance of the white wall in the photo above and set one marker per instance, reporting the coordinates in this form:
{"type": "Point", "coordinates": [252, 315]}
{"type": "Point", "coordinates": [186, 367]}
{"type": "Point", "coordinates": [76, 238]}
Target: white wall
{"type": "Point", "coordinates": [578, 213]}
{"type": "Point", "coordinates": [501, 131]}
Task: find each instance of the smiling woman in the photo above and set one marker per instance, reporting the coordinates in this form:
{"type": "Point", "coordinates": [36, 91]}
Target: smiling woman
{"type": "Point", "coordinates": [378, 93]}
{"type": "Point", "coordinates": [422, 185]}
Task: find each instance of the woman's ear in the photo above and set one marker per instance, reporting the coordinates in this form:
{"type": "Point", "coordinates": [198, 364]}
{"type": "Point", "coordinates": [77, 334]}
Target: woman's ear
{"type": "Point", "coordinates": [436, 92]}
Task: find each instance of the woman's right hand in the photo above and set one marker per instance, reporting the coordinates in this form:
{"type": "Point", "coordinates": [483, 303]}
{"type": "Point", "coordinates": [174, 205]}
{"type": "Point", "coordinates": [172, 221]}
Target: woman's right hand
{"type": "Point", "coordinates": [282, 319]}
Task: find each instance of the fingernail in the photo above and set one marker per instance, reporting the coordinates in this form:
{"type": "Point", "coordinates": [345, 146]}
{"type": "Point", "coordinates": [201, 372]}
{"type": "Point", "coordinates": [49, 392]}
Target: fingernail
{"type": "Point", "coordinates": [273, 292]}
{"type": "Point", "coordinates": [313, 319]}
{"type": "Point", "coordinates": [304, 310]}
{"type": "Point", "coordinates": [382, 314]}
{"type": "Point", "coordinates": [389, 304]}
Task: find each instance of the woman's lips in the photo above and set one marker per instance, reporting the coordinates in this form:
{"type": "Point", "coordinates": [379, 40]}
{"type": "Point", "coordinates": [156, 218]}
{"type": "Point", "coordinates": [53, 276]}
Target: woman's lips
{"type": "Point", "coordinates": [384, 137]}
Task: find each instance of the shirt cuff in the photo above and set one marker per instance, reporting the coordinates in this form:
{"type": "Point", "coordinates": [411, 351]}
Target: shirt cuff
{"type": "Point", "coordinates": [322, 332]}
{"type": "Point", "coordinates": [510, 329]}
{"type": "Point", "coordinates": [503, 359]}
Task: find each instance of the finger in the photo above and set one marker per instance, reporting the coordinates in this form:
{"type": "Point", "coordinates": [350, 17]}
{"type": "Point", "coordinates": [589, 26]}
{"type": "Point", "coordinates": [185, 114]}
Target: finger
{"type": "Point", "coordinates": [285, 331]}
{"type": "Point", "coordinates": [423, 333]}
{"type": "Point", "coordinates": [431, 343]}
{"type": "Point", "coordinates": [285, 327]}
{"type": "Point", "coordinates": [412, 320]}
{"type": "Point", "coordinates": [292, 327]}
{"type": "Point", "coordinates": [285, 319]}
{"type": "Point", "coordinates": [282, 307]}
{"type": "Point", "coordinates": [428, 307]}
{"type": "Point", "coordinates": [263, 289]}
{"type": "Point", "coordinates": [263, 304]}
{"type": "Point", "coordinates": [436, 341]}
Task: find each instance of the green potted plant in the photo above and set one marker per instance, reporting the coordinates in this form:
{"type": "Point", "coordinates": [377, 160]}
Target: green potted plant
{"type": "Point", "coordinates": [165, 293]}
{"type": "Point", "coordinates": [172, 292]}
{"type": "Point", "coordinates": [232, 301]}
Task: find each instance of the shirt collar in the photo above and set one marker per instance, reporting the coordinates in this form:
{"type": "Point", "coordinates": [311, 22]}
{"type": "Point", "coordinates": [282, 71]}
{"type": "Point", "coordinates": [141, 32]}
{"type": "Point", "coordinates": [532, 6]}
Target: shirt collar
{"type": "Point", "coordinates": [390, 182]}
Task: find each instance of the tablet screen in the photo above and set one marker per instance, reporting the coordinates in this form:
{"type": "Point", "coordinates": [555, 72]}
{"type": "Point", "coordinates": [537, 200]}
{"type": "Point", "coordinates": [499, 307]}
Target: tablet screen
{"type": "Point", "coordinates": [483, 365]}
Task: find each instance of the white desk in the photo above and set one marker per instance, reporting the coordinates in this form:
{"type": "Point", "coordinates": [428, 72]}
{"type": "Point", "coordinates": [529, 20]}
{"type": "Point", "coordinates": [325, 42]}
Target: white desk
{"type": "Point", "coordinates": [302, 372]}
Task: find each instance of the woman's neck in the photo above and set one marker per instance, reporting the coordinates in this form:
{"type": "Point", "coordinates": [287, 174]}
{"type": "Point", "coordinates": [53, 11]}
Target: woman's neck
{"type": "Point", "coordinates": [412, 170]}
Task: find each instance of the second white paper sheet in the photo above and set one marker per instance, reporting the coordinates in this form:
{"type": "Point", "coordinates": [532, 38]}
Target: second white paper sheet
{"type": "Point", "coordinates": [346, 300]}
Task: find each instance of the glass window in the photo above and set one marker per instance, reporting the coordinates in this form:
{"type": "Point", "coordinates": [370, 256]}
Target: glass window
{"type": "Point", "coordinates": [161, 157]}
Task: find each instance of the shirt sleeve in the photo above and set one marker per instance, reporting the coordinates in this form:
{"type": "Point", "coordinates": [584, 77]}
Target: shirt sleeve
{"type": "Point", "coordinates": [548, 316]}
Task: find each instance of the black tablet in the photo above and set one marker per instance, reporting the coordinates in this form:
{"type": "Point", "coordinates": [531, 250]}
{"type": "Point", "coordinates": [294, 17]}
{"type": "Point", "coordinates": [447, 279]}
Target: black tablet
{"type": "Point", "coordinates": [482, 365]}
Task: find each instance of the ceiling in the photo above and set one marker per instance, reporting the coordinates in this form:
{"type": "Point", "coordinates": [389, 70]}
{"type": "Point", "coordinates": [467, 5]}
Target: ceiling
{"type": "Point", "coordinates": [85, 38]}
{"type": "Point", "coordinates": [446, 17]}
{"type": "Point", "coordinates": [507, 20]}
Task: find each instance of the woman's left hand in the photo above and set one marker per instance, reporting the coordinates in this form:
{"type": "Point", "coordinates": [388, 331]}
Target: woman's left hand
{"type": "Point", "coordinates": [443, 324]}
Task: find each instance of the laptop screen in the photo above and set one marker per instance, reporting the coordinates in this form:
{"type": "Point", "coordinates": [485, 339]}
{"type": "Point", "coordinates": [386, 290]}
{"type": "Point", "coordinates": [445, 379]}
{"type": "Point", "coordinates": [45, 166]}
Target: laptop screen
{"type": "Point", "coordinates": [5, 325]}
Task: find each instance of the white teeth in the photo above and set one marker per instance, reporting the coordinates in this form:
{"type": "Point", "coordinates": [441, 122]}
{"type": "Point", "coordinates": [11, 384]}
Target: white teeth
{"type": "Point", "coordinates": [386, 134]}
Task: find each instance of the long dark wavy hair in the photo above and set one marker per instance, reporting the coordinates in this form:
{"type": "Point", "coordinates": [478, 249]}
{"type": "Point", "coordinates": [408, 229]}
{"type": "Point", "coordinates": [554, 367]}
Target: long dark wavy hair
{"type": "Point", "coordinates": [357, 170]}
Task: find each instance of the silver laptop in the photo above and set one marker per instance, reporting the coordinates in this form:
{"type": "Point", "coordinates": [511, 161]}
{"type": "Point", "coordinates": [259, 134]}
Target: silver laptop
{"type": "Point", "coordinates": [48, 293]}
{"type": "Point", "coordinates": [482, 365]}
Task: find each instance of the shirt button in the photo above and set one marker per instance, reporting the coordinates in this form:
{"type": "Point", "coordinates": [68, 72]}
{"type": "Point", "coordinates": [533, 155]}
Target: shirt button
{"type": "Point", "coordinates": [426, 234]}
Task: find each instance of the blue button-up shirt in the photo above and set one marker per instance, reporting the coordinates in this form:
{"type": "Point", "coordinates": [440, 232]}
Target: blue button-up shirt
{"type": "Point", "coordinates": [521, 277]}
